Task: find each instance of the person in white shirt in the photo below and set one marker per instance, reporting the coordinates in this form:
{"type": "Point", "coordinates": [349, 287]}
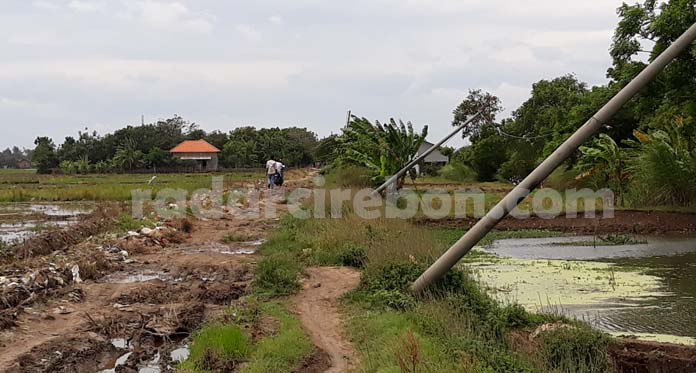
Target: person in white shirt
{"type": "Point", "coordinates": [271, 172]}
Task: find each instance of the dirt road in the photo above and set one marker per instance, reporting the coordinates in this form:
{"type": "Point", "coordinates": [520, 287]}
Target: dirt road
{"type": "Point", "coordinates": [139, 310]}
{"type": "Point", "coordinates": [317, 307]}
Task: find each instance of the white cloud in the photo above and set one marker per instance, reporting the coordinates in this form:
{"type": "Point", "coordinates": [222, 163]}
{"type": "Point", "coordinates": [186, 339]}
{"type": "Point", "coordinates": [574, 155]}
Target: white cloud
{"type": "Point", "coordinates": [120, 74]}
{"type": "Point", "coordinates": [276, 20]}
{"type": "Point", "coordinates": [20, 105]}
{"type": "Point", "coordinates": [44, 5]}
{"type": "Point", "coordinates": [86, 6]}
{"type": "Point", "coordinates": [248, 32]}
{"type": "Point", "coordinates": [164, 14]}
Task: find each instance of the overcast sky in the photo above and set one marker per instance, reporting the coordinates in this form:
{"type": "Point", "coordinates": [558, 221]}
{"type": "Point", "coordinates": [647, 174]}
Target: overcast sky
{"type": "Point", "coordinates": [70, 64]}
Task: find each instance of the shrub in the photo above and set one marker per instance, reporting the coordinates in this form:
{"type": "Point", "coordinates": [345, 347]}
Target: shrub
{"type": "Point", "coordinates": [218, 348]}
{"type": "Point", "coordinates": [459, 172]}
{"type": "Point", "coordinates": [353, 256]}
{"type": "Point", "coordinates": [350, 176]}
{"type": "Point", "coordinates": [278, 275]}
{"type": "Point", "coordinates": [394, 299]}
{"type": "Point", "coordinates": [578, 349]}
{"type": "Point", "coordinates": [664, 168]}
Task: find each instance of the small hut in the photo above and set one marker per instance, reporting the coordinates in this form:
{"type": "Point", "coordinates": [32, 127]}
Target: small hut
{"type": "Point", "coordinates": [200, 151]}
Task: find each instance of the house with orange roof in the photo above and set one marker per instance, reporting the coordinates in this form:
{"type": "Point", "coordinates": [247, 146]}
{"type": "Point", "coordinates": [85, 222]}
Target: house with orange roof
{"type": "Point", "coordinates": [200, 151]}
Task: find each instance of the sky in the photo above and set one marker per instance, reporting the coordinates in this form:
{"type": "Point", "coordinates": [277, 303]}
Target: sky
{"type": "Point", "coordinates": [67, 65]}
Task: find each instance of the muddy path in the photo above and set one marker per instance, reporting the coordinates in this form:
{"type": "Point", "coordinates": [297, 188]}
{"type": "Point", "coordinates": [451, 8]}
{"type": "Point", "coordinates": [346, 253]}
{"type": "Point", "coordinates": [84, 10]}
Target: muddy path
{"type": "Point", "coordinates": [317, 308]}
{"type": "Point", "coordinates": [139, 309]}
{"type": "Point", "coordinates": [623, 222]}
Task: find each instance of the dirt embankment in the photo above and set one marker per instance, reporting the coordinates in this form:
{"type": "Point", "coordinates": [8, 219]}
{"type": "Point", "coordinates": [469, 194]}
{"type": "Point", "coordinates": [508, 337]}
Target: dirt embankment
{"type": "Point", "coordinates": [623, 222]}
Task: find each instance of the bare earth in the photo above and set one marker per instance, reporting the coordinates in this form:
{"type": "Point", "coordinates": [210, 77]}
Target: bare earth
{"type": "Point", "coordinates": [176, 288]}
{"type": "Point", "coordinates": [317, 307]}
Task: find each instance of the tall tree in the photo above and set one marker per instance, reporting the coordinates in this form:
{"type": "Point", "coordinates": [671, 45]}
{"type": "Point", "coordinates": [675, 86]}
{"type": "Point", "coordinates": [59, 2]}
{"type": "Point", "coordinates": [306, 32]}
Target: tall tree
{"type": "Point", "coordinates": [44, 155]}
{"type": "Point", "coordinates": [477, 101]}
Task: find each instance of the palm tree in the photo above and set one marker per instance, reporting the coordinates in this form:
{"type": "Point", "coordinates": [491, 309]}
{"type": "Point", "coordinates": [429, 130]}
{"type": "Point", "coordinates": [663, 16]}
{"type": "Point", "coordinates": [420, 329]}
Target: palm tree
{"type": "Point", "coordinates": [127, 155]}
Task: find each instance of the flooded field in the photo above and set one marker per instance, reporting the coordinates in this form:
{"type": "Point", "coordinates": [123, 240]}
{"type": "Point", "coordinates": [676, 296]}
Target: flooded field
{"type": "Point", "coordinates": [19, 221]}
{"type": "Point", "coordinates": [641, 286]}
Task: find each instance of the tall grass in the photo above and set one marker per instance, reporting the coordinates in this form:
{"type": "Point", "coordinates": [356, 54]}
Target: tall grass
{"type": "Point", "coordinates": [455, 327]}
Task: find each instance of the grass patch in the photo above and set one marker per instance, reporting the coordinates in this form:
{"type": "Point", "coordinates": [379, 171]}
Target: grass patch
{"type": "Point", "coordinates": [28, 186]}
{"type": "Point", "coordinates": [578, 349]}
{"type": "Point", "coordinates": [277, 275]}
{"type": "Point", "coordinates": [126, 222]}
{"type": "Point", "coordinates": [218, 348]}
{"type": "Point", "coordinates": [457, 326]}
{"type": "Point", "coordinates": [284, 351]}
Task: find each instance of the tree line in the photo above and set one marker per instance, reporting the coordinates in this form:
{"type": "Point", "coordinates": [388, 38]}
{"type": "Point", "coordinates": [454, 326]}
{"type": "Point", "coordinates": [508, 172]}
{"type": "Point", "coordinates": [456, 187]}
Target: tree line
{"type": "Point", "coordinates": [647, 151]}
{"type": "Point", "coordinates": [14, 158]}
{"type": "Point", "coordinates": [147, 147]}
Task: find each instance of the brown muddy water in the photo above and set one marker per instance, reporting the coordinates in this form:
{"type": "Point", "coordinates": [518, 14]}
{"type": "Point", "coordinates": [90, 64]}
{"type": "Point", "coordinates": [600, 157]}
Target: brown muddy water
{"type": "Point", "coordinates": [645, 288]}
{"type": "Point", "coordinates": [20, 221]}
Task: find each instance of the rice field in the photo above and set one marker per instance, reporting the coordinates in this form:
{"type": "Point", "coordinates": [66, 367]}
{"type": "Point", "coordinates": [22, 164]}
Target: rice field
{"type": "Point", "coordinates": [27, 186]}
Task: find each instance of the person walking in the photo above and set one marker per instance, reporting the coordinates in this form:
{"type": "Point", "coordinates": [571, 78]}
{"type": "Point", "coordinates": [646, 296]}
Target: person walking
{"type": "Point", "coordinates": [271, 173]}
{"type": "Point", "coordinates": [280, 174]}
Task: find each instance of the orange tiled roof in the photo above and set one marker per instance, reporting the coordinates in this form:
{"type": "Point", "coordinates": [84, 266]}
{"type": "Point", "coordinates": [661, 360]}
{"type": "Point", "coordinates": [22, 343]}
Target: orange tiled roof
{"type": "Point", "coordinates": [197, 146]}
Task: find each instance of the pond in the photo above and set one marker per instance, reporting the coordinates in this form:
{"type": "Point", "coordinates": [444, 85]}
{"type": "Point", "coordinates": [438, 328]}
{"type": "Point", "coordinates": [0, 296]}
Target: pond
{"type": "Point", "coordinates": [642, 286]}
{"type": "Point", "coordinates": [19, 221]}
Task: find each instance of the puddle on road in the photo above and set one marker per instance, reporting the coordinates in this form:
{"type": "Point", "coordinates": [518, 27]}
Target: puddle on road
{"type": "Point", "coordinates": [647, 289]}
{"type": "Point", "coordinates": [239, 248]}
{"type": "Point", "coordinates": [132, 278]}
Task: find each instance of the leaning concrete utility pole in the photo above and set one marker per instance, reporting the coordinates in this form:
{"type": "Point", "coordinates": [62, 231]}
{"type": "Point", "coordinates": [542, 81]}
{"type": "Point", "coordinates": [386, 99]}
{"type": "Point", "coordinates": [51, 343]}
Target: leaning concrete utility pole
{"type": "Point", "coordinates": [450, 258]}
{"type": "Point", "coordinates": [421, 157]}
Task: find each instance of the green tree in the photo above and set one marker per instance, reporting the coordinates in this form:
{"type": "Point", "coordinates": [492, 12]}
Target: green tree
{"type": "Point", "coordinates": [239, 153]}
{"type": "Point", "coordinates": [477, 101]}
{"type": "Point", "coordinates": [156, 157]}
{"type": "Point", "coordinates": [127, 156]}
{"type": "Point", "coordinates": [656, 24]}
{"type": "Point", "coordinates": [44, 155]}
{"type": "Point", "coordinates": [382, 148]}
{"type": "Point", "coordinates": [604, 164]}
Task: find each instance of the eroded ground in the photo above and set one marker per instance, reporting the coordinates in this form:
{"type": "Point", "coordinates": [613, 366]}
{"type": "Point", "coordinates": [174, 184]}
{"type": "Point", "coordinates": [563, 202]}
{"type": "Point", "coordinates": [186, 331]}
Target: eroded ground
{"type": "Point", "coordinates": [81, 300]}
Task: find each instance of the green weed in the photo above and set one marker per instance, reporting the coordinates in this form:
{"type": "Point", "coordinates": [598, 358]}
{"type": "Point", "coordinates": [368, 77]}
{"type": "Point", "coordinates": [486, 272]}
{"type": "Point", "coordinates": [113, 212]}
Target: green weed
{"type": "Point", "coordinates": [277, 275]}
{"type": "Point", "coordinates": [218, 348]}
{"type": "Point", "coordinates": [284, 351]}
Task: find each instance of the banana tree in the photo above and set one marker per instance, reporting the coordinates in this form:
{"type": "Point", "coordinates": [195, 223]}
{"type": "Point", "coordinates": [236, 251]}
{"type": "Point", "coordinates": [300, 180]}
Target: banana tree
{"type": "Point", "coordinates": [382, 148]}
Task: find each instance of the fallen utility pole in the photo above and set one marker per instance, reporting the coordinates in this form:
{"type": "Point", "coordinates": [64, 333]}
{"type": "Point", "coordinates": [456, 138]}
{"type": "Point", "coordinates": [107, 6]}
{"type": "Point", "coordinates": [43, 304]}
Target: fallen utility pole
{"type": "Point", "coordinates": [421, 157]}
{"type": "Point", "coordinates": [450, 258]}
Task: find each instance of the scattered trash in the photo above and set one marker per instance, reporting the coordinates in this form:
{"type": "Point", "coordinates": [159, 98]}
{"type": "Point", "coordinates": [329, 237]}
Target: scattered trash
{"type": "Point", "coordinates": [76, 274]}
{"type": "Point", "coordinates": [61, 310]}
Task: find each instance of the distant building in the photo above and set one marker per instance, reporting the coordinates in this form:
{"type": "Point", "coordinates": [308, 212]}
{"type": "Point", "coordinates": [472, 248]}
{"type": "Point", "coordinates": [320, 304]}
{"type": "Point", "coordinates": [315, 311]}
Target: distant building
{"type": "Point", "coordinates": [24, 164]}
{"type": "Point", "coordinates": [433, 161]}
{"type": "Point", "coordinates": [200, 151]}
